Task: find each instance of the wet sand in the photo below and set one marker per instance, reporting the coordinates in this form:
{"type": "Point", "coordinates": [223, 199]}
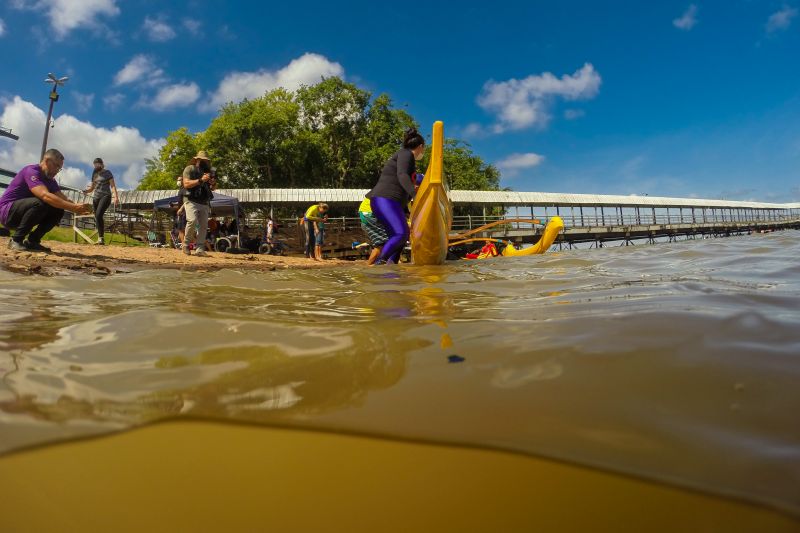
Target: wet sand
{"type": "Point", "coordinates": [69, 257]}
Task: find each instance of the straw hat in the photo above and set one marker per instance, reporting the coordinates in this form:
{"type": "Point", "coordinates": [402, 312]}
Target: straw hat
{"type": "Point", "coordinates": [202, 154]}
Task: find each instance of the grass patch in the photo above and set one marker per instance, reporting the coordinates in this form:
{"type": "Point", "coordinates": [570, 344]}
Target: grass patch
{"type": "Point", "coordinates": [60, 234]}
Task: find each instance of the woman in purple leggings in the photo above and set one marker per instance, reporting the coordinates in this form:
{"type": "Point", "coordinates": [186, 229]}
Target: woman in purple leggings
{"type": "Point", "coordinates": [390, 196]}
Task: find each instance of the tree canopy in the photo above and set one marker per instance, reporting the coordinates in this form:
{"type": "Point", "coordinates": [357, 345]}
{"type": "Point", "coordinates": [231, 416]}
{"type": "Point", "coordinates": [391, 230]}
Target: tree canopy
{"type": "Point", "coordinates": [329, 135]}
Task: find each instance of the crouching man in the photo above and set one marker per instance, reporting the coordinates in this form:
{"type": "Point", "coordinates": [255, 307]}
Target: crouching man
{"type": "Point", "coordinates": [33, 203]}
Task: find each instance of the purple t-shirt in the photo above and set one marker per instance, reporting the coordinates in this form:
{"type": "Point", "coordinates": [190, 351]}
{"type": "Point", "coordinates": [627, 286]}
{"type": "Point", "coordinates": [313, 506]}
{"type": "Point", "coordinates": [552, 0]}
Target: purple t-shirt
{"type": "Point", "coordinates": [20, 188]}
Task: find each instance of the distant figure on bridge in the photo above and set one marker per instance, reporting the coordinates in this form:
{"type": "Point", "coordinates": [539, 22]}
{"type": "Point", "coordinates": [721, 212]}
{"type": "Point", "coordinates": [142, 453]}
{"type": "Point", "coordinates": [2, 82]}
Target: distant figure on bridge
{"type": "Point", "coordinates": [34, 199]}
{"type": "Point", "coordinates": [314, 214]}
{"type": "Point", "coordinates": [390, 196]}
{"type": "Point", "coordinates": [102, 183]}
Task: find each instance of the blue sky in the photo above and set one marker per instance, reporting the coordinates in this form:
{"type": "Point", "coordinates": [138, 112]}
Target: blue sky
{"type": "Point", "coordinates": [671, 98]}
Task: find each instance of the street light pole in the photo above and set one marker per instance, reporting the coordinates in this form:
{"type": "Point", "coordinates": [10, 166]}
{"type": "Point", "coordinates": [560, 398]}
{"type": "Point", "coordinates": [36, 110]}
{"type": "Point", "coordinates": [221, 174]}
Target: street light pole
{"type": "Point", "coordinates": [53, 99]}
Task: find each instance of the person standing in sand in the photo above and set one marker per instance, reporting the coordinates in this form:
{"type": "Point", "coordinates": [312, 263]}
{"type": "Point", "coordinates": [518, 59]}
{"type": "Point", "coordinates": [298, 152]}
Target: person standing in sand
{"type": "Point", "coordinates": [34, 199]}
{"type": "Point", "coordinates": [102, 184]}
{"type": "Point", "coordinates": [313, 215]}
{"type": "Point", "coordinates": [197, 184]}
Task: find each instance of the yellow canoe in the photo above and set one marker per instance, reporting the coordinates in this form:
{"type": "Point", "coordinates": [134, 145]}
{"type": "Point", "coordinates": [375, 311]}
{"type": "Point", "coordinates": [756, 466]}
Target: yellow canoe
{"type": "Point", "coordinates": [431, 212]}
{"type": "Point", "coordinates": [551, 231]}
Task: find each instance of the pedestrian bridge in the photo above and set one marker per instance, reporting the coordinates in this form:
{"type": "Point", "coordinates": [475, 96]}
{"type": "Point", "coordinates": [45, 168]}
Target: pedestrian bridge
{"type": "Point", "coordinates": [560, 203]}
{"type": "Point", "coordinates": [587, 217]}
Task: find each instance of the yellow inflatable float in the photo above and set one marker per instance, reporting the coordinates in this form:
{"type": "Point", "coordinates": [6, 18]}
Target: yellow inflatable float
{"type": "Point", "coordinates": [551, 231]}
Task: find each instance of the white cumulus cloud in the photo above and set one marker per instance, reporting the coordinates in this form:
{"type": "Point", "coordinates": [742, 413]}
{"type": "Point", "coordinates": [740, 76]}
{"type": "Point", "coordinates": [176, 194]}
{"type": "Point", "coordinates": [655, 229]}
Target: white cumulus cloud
{"type": "Point", "coordinates": [2, 28]}
{"type": "Point", "coordinates": [68, 15]}
{"type": "Point", "coordinates": [781, 20]}
{"type": "Point", "coordinates": [173, 96]}
{"type": "Point", "coordinates": [574, 114]}
{"type": "Point", "coordinates": [307, 69]}
{"type": "Point", "coordinates": [688, 20]}
{"type": "Point", "coordinates": [141, 70]}
{"type": "Point", "coordinates": [82, 101]}
{"type": "Point", "coordinates": [516, 162]}
{"type": "Point", "coordinates": [192, 25]}
{"type": "Point", "coordinates": [113, 101]}
{"type": "Point", "coordinates": [157, 30]}
{"type": "Point", "coordinates": [123, 148]}
{"type": "Point", "coordinates": [525, 103]}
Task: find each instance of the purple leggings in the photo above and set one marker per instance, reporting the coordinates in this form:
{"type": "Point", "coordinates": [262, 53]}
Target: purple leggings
{"type": "Point", "coordinates": [391, 215]}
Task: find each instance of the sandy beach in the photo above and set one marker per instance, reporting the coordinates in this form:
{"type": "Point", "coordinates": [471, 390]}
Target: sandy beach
{"type": "Point", "coordinates": [107, 260]}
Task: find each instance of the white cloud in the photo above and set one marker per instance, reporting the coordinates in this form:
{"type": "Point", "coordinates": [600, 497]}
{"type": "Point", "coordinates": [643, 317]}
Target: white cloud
{"type": "Point", "coordinates": [82, 101]}
{"type": "Point", "coordinates": [142, 70]}
{"type": "Point", "coordinates": [192, 25]}
{"type": "Point", "coordinates": [473, 129]}
{"type": "Point", "coordinates": [2, 28]}
{"type": "Point", "coordinates": [516, 162]}
{"type": "Point", "coordinates": [113, 101]}
{"type": "Point", "coordinates": [68, 15]}
{"type": "Point", "coordinates": [781, 20]}
{"type": "Point", "coordinates": [307, 69]}
{"type": "Point", "coordinates": [524, 103]}
{"type": "Point", "coordinates": [173, 96]}
{"type": "Point", "coordinates": [573, 114]}
{"type": "Point", "coordinates": [158, 30]}
{"type": "Point", "coordinates": [74, 177]}
{"type": "Point", "coordinates": [688, 20]}
{"type": "Point", "coordinates": [123, 149]}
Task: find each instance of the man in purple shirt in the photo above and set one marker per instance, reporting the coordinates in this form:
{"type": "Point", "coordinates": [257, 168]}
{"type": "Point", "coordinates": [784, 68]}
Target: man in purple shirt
{"type": "Point", "coordinates": [33, 199]}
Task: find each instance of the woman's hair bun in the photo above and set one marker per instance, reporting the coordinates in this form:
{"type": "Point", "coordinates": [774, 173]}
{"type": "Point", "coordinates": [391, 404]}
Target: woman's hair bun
{"type": "Point", "coordinates": [412, 138]}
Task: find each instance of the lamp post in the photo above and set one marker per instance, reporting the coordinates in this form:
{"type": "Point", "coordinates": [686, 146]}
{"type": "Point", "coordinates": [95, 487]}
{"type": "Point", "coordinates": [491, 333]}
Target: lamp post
{"type": "Point", "coordinates": [53, 99]}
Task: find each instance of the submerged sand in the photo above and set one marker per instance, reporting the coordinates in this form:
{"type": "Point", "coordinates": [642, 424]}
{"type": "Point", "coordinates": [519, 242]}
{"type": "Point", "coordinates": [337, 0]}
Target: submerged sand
{"type": "Point", "coordinates": [104, 260]}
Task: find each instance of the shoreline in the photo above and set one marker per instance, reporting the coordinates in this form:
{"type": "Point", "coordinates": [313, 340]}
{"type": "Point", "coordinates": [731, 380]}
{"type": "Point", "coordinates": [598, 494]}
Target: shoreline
{"type": "Point", "coordinates": [67, 258]}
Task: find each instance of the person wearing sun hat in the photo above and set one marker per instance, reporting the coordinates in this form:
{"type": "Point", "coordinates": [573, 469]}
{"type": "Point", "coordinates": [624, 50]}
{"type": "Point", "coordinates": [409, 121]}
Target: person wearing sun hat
{"type": "Point", "coordinates": [197, 184]}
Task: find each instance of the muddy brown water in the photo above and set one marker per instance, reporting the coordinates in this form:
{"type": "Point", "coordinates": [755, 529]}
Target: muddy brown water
{"type": "Point", "coordinates": [678, 363]}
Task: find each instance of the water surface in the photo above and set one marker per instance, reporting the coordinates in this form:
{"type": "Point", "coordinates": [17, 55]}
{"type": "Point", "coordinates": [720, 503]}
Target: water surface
{"type": "Point", "coordinates": [676, 362]}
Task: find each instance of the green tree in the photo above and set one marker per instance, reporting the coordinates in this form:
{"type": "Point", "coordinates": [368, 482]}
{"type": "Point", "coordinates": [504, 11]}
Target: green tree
{"type": "Point", "coordinates": [250, 142]}
{"type": "Point", "coordinates": [328, 135]}
{"type": "Point", "coordinates": [162, 172]}
{"type": "Point", "coordinates": [463, 170]}
{"type": "Point", "coordinates": [384, 133]}
{"type": "Point", "coordinates": [337, 112]}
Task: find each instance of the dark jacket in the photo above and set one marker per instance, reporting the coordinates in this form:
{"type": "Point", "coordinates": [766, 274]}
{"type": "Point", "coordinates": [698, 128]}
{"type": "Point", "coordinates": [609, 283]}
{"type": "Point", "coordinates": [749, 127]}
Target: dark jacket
{"type": "Point", "coordinates": [396, 181]}
{"type": "Point", "coordinates": [200, 194]}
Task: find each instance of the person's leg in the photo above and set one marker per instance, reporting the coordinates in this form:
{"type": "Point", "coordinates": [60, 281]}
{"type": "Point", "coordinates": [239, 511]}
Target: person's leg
{"type": "Point", "coordinates": [310, 241]}
{"type": "Point", "coordinates": [52, 217]}
{"type": "Point", "coordinates": [191, 226]}
{"type": "Point", "coordinates": [24, 215]}
{"type": "Point", "coordinates": [100, 205]}
{"type": "Point", "coordinates": [373, 256]}
{"type": "Point", "coordinates": [376, 234]}
{"type": "Point", "coordinates": [390, 214]}
{"type": "Point", "coordinates": [202, 221]}
{"type": "Point", "coordinates": [320, 240]}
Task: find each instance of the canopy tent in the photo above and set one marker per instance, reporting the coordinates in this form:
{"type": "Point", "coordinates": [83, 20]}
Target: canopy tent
{"type": "Point", "coordinates": [221, 205]}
